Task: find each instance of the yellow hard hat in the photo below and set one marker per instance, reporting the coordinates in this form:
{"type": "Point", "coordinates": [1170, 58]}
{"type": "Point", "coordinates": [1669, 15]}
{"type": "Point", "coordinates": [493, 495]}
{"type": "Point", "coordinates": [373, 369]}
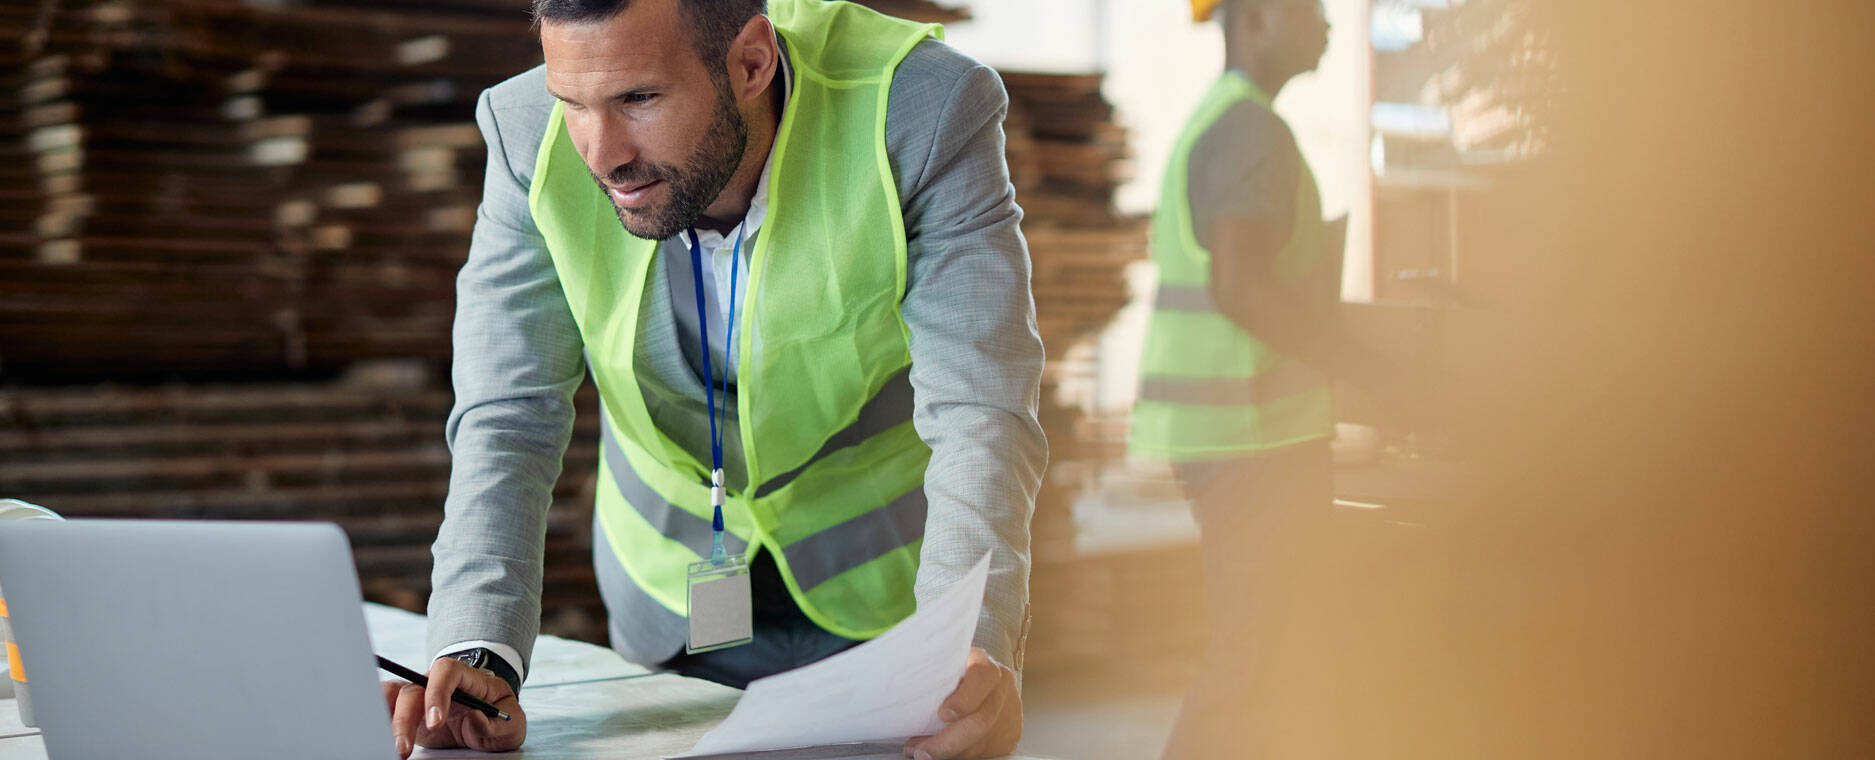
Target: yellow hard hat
{"type": "Point", "coordinates": [1201, 9]}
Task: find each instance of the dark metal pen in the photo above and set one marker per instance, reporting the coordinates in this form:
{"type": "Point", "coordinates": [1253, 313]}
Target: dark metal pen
{"type": "Point", "coordinates": [458, 697]}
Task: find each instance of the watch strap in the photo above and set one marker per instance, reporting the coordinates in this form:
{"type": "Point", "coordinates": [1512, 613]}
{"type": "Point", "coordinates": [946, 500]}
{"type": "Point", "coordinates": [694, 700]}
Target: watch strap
{"type": "Point", "coordinates": [482, 657]}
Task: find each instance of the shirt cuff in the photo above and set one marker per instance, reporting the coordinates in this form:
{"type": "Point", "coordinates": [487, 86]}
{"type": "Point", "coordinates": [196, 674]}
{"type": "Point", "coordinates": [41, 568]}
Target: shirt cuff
{"type": "Point", "coordinates": [507, 654]}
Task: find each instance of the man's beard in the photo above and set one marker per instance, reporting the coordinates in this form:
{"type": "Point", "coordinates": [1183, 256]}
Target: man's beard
{"type": "Point", "coordinates": [703, 176]}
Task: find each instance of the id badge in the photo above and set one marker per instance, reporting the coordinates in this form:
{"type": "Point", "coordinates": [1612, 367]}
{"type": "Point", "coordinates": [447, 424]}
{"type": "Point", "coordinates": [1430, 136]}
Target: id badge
{"type": "Point", "coordinates": [720, 613]}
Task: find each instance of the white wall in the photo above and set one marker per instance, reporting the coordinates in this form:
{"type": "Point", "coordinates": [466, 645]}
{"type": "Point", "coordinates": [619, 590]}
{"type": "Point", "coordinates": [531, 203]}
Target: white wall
{"type": "Point", "coordinates": [1328, 111]}
{"type": "Point", "coordinates": [1055, 36]}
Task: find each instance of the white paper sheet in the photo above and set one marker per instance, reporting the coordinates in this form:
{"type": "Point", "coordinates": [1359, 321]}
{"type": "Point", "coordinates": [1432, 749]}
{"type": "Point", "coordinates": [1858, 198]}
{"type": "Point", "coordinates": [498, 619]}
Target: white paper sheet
{"type": "Point", "coordinates": [885, 690]}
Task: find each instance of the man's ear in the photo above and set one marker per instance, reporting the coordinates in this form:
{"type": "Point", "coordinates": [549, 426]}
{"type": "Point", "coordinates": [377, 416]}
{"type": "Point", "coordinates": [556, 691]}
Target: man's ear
{"type": "Point", "coordinates": [753, 57]}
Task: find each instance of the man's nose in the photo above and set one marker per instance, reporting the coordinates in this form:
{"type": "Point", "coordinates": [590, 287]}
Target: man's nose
{"type": "Point", "coordinates": [609, 145]}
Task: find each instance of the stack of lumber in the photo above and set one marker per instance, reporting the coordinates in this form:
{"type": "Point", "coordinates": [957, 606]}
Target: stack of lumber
{"type": "Point", "coordinates": [215, 187]}
{"type": "Point", "coordinates": [1118, 612]}
{"type": "Point", "coordinates": [371, 459]}
{"type": "Point", "coordinates": [1066, 158]}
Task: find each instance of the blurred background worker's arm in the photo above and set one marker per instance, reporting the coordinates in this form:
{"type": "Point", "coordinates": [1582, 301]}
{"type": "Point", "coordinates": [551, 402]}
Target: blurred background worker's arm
{"type": "Point", "coordinates": [1243, 181]}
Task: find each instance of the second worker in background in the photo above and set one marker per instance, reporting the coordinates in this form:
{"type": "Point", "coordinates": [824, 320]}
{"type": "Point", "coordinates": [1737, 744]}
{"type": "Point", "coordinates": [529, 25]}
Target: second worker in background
{"type": "Point", "coordinates": [1243, 344]}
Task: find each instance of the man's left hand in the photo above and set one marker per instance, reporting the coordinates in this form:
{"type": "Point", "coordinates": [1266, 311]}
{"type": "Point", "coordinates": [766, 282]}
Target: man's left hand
{"type": "Point", "coordinates": [983, 716]}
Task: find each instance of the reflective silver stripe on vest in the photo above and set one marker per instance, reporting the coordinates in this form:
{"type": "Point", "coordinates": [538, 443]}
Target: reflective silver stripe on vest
{"type": "Point", "coordinates": [818, 558]}
{"type": "Point", "coordinates": [1264, 388]}
{"type": "Point", "coordinates": [669, 521]}
{"type": "Point", "coordinates": [812, 560]}
{"type": "Point", "coordinates": [642, 630]}
{"type": "Point", "coordinates": [889, 408]}
{"type": "Point", "coordinates": [1184, 298]}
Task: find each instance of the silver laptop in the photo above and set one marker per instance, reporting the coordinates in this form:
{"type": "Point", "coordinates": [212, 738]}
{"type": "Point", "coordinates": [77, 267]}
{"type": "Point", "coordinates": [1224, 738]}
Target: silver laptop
{"type": "Point", "coordinates": [158, 639]}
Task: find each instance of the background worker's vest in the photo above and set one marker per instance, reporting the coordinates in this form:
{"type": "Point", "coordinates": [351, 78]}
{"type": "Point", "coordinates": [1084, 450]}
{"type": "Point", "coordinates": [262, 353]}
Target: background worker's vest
{"type": "Point", "coordinates": [1209, 390]}
{"type": "Point", "coordinates": [835, 469]}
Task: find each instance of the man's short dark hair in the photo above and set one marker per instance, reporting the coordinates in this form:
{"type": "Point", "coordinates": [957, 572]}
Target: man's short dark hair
{"type": "Point", "coordinates": [715, 22]}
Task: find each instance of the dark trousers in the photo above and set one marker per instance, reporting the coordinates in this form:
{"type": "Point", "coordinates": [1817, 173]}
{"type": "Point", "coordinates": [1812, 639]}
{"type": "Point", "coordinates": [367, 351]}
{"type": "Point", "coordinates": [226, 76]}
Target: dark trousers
{"type": "Point", "coordinates": [1266, 526]}
{"type": "Point", "coordinates": [784, 637]}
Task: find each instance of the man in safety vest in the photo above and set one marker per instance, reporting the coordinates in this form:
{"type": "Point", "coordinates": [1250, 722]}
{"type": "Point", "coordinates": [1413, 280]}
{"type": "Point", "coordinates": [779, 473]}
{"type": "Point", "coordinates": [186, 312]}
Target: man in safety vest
{"type": "Point", "coordinates": [1242, 344]}
{"type": "Point", "coordinates": [783, 241]}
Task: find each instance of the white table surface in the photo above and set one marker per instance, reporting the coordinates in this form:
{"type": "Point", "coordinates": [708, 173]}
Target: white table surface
{"type": "Point", "coordinates": [582, 701]}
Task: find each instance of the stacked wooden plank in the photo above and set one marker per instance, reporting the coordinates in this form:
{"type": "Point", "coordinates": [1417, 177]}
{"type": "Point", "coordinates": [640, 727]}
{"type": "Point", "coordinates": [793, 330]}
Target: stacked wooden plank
{"type": "Point", "coordinates": [214, 189]}
{"type": "Point", "coordinates": [371, 459]}
{"type": "Point", "coordinates": [1066, 158]}
{"type": "Point", "coordinates": [1119, 611]}
{"type": "Point", "coordinates": [222, 188]}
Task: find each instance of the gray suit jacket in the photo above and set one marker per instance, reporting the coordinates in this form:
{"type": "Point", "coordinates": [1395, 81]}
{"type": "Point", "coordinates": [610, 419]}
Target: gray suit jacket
{"type": "Point", "coordinates": [976, 361]}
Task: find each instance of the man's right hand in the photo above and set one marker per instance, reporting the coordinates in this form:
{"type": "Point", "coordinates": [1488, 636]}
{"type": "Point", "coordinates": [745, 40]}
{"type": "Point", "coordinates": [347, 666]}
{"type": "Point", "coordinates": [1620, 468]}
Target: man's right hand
{"type": "Point", "coordinates": [425, 716]}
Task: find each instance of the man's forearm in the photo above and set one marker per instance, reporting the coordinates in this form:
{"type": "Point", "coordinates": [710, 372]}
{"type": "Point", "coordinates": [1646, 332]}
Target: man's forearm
{"type": "Point", "coordinates": [1309, 333]}
{"type": "Point", "coordinates": [1246, 289]}
{"type": "Point", "coordinates": [489, 551]}
{"type": "Point", "coordinates": [517, 362]}
{"type": "Point", "coordinates": [984, 492]}
{"type": "Point", "coordinates": [976, 372]}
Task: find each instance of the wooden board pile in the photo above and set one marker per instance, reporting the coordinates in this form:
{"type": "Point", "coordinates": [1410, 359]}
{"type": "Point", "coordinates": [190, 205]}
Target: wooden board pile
{"type": "Point", "coordinates": [371, 459]}
{"type": "Point", "coordinates": [1066, 158]}
{"type": "Point", "coordinates": [210, 186]}
{"type": "Point", "coordinates": [1136, 612]}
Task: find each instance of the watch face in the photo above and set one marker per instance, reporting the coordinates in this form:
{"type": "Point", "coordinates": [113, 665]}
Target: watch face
{"type": "Point", "coordinates": [471, 658]}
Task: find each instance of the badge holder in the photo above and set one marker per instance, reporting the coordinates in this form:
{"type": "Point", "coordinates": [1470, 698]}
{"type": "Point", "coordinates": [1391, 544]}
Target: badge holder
{"type": "Point", "coordinates": [720, 605]}
{"type": "Point", "coordinates": [718, 591]}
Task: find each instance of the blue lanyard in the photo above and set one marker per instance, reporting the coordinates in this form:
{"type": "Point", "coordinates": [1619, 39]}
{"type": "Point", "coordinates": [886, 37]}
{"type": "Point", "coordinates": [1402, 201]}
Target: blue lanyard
{"type": "Point", "coordinates": [717, 496]}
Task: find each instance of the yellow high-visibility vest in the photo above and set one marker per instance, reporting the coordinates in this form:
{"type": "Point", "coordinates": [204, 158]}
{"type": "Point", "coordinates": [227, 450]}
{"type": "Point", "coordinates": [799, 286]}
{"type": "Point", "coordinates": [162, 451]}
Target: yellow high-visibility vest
{"type": "Point", "coordinates": [1208, 389]}
{"type": "Point", "coordinates": [835, 469]}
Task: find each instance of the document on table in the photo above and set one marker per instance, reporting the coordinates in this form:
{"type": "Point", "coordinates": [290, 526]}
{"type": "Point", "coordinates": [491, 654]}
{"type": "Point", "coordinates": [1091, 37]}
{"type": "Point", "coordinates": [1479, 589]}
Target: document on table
{"type": "Point", "coordinates": [885, 690]}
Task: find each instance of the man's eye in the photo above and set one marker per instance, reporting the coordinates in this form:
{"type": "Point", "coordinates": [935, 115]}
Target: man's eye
{"type": "Point", "coordinates": [640, 98]}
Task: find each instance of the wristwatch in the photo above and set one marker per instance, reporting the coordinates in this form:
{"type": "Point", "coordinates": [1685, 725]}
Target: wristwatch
{"type": "Point", "coordinates": [481, 657]}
